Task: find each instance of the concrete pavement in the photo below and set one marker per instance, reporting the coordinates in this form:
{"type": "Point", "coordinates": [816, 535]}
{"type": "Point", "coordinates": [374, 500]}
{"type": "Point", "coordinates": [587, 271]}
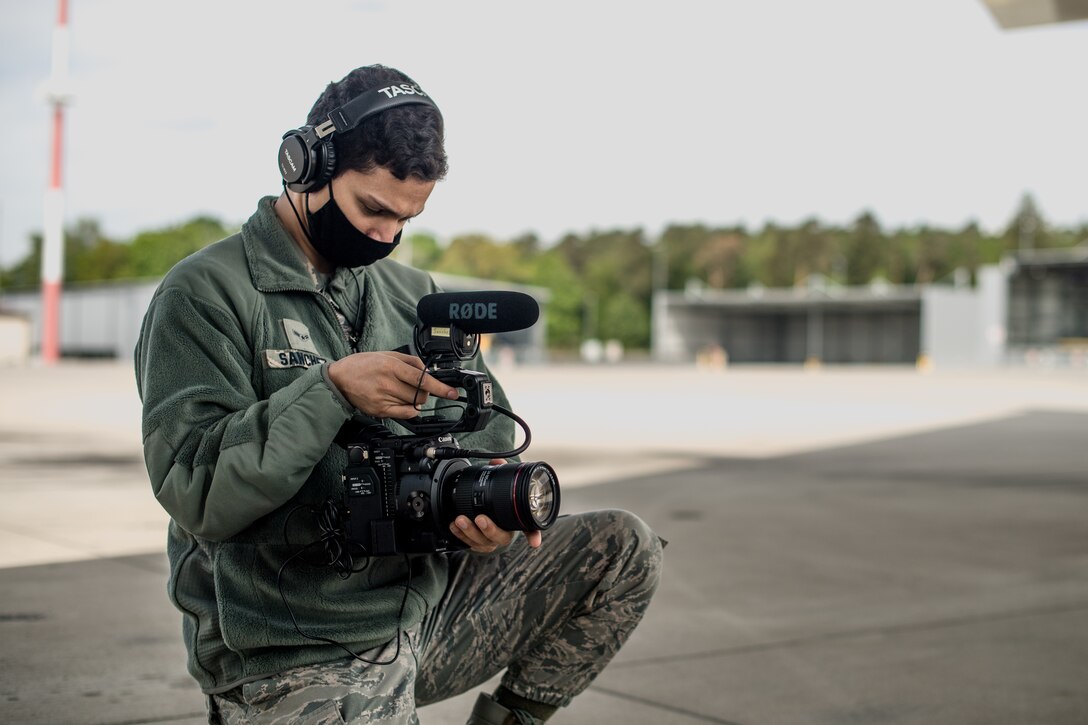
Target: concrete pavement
{"type": "Point", "coordinates": [848, 546]}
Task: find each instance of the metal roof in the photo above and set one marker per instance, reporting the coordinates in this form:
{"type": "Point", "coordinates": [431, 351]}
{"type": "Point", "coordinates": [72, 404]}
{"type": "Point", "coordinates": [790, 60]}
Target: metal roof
{"type": "Point", "coordinates": [1020, 13]}
{"type": "Point", "coordinates": [874, 296]}
{"type": "Point", "coordinates": [1063, 257]}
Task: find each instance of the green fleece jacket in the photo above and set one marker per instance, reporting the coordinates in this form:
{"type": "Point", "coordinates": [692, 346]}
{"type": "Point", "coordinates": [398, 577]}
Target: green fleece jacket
{"type": "Point", "coordinates": [238, 425]}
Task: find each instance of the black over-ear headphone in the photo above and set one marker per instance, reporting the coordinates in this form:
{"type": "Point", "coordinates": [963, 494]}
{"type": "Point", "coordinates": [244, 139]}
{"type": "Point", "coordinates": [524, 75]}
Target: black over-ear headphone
{"type": "Point", "coordinates": [307, 157]}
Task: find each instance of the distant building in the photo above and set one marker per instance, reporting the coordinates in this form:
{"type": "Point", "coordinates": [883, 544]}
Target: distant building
{"type": "Point", "coordinates": [98, 320]}
{"type": "Point", "coordinates": [1048, 305]}
{"type": "Point", "coordinates": [102, 320]}
{"type": "Point", "coordinates": [1031, 308]}
{"type": "Point", "coordinates": [14, 338]}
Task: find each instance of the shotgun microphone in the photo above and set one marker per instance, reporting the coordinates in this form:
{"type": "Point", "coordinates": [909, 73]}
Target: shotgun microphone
{"type": "Point", "coordinates": [478, 312]}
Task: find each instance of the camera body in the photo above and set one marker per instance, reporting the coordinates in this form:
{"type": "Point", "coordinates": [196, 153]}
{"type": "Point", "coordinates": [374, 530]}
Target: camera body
{"type": "Point", "coordinates": [402, 492]}
{"type": "Point", "coordinates": [393, 495]}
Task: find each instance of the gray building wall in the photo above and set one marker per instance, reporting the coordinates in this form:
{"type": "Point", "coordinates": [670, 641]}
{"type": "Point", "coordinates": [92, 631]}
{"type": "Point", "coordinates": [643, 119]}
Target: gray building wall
{"type": "Point", "coordinates": [968, 326]}
{"type": "Point", "coordinates": [992, 287]}
{"type": "Point", "coordinates": [837, 325]}
{"type": "Point", "coordinates": [100, 320]}
{"type": "Point", "coordinates": [950, 326]}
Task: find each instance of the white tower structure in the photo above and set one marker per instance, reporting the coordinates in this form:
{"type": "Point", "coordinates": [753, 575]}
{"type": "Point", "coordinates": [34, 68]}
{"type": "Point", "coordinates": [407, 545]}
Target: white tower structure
{"type": "Point", "coordinates": [57, 94]}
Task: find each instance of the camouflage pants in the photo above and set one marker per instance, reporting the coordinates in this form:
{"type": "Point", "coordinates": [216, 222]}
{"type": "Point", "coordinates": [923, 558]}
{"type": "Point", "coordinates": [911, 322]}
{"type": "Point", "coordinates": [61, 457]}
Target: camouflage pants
{"type": "Point", "coordinates": [552, 617]}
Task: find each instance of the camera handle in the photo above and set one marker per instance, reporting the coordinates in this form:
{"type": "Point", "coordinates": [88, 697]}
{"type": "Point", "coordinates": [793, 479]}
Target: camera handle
{"type": "Point", "coordinates": [479, 396]}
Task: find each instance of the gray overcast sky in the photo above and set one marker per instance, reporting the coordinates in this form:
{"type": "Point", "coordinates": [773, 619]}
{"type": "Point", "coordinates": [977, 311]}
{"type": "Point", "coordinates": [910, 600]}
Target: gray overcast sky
{"type": "Point", "coordinates": [563, 116]}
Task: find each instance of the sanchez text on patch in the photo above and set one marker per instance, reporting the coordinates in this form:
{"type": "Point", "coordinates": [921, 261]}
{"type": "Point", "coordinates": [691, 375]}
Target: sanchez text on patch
{"type": "Point", "coordinates": [291, 359]}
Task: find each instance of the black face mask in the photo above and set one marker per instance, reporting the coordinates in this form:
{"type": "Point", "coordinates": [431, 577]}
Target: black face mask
{"type": "Point", "coordinates": [339, 242]}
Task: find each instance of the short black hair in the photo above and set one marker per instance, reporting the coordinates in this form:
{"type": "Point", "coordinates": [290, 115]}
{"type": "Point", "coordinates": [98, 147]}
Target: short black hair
{"type": "Point", "coordinates": [407, 140]}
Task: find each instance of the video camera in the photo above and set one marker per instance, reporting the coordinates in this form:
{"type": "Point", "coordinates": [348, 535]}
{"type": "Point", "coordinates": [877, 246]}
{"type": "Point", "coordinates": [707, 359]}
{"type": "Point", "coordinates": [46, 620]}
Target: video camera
{"type": "Point", "coordinates": [401, 492]}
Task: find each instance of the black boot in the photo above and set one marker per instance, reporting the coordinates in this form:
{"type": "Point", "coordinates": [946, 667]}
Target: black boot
{"type": "Point", "coordinates": [489, 712]}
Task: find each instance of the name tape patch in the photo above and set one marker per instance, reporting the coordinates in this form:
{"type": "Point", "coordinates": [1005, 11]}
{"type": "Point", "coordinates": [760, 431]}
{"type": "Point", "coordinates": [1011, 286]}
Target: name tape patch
{"type": "Point", "coordinates": [292, 359]}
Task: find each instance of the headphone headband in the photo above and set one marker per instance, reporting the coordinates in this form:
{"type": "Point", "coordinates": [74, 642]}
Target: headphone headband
{"type": "Point", "coordinates": [307, 157]}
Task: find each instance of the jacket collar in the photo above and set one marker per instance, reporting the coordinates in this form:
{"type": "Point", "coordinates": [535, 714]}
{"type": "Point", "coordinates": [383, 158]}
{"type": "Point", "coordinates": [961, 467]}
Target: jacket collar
{"type": "Point", "coordinates": [276, 264]}
{"type": "Point", "coordinates": [275, 261]}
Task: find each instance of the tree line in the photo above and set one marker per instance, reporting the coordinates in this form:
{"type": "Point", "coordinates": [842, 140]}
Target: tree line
{"type": "Point", "coordinates": [601, 282]}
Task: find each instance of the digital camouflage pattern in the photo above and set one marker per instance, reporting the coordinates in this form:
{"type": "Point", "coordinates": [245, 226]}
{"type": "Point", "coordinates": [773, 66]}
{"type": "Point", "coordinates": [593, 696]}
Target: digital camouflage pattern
{"type": "Point", "coordinates": [329, 693]}
{"type": "Point", "coordinates": [552, 617]}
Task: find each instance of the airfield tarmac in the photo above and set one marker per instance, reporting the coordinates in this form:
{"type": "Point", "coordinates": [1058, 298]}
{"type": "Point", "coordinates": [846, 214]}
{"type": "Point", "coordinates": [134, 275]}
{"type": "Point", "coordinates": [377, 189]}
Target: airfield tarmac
{"type": "Point", "coordinates": [847, 545]}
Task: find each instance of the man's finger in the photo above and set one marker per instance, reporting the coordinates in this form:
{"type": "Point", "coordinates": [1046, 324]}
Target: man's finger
{"type": "Point", "coordinates": [468, 532]}
{"type": "Point", "coordinates": [438, 388]}
{"type": "Point", "coordinates": [409, 394]}
{"type": "Point", "coordinates": [494, 534]}
{"type": "Point", "coordinates": [399, 412]}
{"type": "Point", "coordinates": [406, 359]}
{"type": "Point", "coordinates": [419, 380]}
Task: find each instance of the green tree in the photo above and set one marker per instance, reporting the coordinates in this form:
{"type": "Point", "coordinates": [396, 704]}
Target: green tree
{"type": "Point", "coordinates": [618, 261]}
{"type": "Point", "coordinates": [783, 261]}
{"type": "Point", "coordinates": [477, 255]}
{"type": "Point", "coordinates": [865, 249]}
{"type": "Point", "coordinates": [813, 250]}
{"type": "Point", "coordinates": [153, 253]}
{"type": "Point", "coordinates": [676, 250]}
{"type": "Point", "coordinates": [899, 267]}
{"type": "Point", "coordinates": [420, 251]}
{"type": "Point", "coordinates": [552, 271]}
{"type": "Point", "coordinates": [610, 264]}
{"type": "Point", "coordinates": [89, 256]}
{"type": "Point", "coordinates": [27, 272]}
{"type": "Point", "coordinates": [931, 255]}
{"type": "Point", "coordinates": [1027, 229]}
{"type": "Point", "coordinates": [965, 248]}
{"type": "Point", "coordinates": [625, 318]}
{"type": "Point", "coordinates": [717, 260]}
{"type": "Point", "coordinates": [758, 252]}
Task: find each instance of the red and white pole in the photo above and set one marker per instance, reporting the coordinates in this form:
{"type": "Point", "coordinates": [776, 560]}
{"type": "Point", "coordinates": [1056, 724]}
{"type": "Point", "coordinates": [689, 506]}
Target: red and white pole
{"type": "Point", "coordinates": [53, 243]}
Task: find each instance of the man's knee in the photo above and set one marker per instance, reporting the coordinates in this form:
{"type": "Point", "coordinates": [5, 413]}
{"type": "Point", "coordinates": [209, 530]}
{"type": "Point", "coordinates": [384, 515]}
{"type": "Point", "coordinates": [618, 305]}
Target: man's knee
{"type": "Point", "coordinates": [633, 550]}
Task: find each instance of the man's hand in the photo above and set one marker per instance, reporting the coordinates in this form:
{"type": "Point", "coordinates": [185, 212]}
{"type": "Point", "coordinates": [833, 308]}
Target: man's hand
{"type": "Point", "coordinates": [483, 536]}
{"type": "Point", "coordinates": [385, 384]}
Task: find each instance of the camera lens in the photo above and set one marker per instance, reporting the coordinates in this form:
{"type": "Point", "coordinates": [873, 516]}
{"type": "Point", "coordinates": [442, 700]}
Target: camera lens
{"type": "Point", "coordinates": [516, 496]}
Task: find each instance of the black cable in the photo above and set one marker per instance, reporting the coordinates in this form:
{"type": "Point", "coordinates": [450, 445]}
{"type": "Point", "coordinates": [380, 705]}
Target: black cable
{"type": "Point", "coordinates": [419, 383]}
{"type": "Point", "coordinates": [438, 409]}
{"type": "Point", "coordinates": [446, 452]}
{"type": "Point", "coordinates": [302, 226]}
{"type": "Point", "coordinates": [339, 558]}
{"type": "Point", "coordinates": [462, 453]}
{"type": "Point", "coordinates": [357, 328]}
{"type": "Point", "coordinates": [332, 535]}
{"type": "Point", "coordinates": [455, 423]}
{"type": "Point", "coordinates": [326, 640]}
